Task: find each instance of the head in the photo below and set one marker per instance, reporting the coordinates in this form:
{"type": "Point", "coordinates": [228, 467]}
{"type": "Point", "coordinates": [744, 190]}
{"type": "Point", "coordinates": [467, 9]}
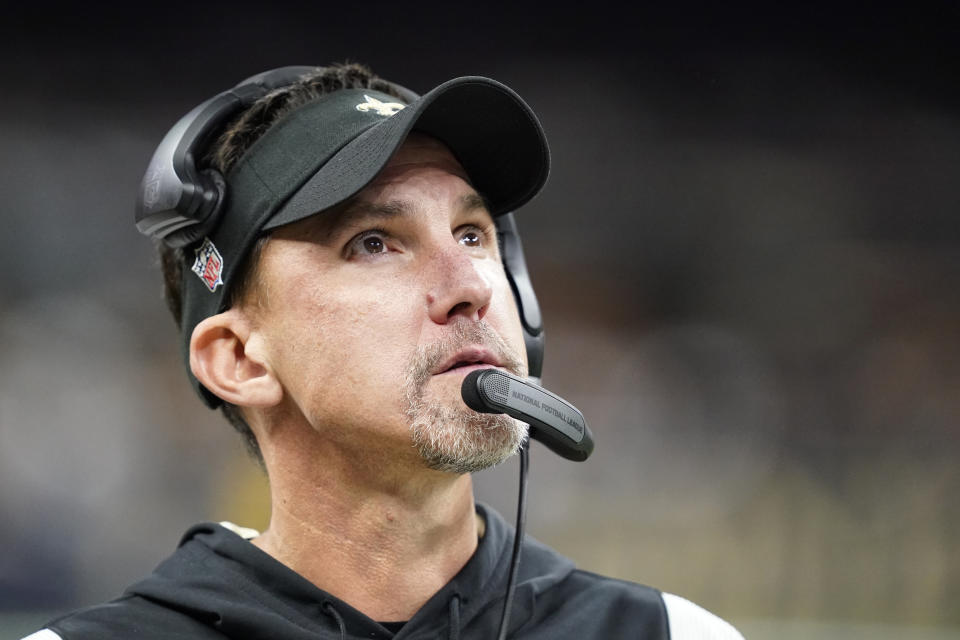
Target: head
{"type": "Point", "coordinates": [232, 143]}
{"type": "Point", "coordinates": [362, 346]}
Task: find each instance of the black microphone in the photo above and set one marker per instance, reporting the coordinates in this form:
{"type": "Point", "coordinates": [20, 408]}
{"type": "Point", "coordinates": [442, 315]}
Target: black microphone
{"type": "Point", "coordinates": [553, 421]}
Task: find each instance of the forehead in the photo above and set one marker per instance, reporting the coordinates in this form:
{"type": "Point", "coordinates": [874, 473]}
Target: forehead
{"type": "Point", "coordinates": [419, 165]}
{"type": "Point", "coordinates": [420, 151]}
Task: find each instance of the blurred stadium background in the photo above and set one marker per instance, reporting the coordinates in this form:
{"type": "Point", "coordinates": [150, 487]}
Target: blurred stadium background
{"type": "Point", "coordinates": [748, 257]}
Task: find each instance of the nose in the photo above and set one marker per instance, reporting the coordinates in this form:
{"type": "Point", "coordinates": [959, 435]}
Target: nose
{"type": "Point", "coordinates": [457, 286]}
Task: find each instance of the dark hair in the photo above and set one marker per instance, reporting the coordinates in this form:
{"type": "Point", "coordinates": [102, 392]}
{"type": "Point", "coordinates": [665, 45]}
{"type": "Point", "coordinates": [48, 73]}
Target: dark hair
{"type": "Point", "coordinates": [236, 138]}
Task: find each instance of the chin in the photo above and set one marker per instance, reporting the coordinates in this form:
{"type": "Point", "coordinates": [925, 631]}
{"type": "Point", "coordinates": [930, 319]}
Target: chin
{"type": "Point", "coordinates": [461, 441]}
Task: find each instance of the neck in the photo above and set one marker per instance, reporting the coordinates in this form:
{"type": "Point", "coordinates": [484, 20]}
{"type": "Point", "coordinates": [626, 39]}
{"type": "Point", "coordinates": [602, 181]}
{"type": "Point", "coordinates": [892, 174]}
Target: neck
{"type": "Point", "coordinates": [379, 534]}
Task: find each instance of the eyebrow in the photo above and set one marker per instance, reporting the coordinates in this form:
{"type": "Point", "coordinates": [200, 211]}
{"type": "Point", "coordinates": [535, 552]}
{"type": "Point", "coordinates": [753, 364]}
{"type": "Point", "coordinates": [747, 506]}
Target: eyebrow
{"type": "Point", "coordinates": [359, 210]}
{"type": "Point", "coordinates": [352, 211]}
{"type": "Point", "coordinates": [393, 208]}
{"type": "Point", "coordinates": [472, 201]}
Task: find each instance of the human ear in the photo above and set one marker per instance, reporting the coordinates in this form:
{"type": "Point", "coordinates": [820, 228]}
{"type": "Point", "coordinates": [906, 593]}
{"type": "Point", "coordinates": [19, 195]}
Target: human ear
{"type": "Point", "coordinates": [223, 359]}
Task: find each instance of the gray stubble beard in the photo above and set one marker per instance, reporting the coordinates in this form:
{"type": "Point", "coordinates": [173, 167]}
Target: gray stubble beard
{"type": "Point", "coordinates": [455, 438]}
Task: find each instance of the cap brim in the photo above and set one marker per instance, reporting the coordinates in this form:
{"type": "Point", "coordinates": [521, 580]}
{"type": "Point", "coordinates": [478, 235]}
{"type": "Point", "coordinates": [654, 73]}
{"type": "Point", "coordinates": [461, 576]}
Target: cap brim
{"type": "Point", "coordinates": [491, 131]}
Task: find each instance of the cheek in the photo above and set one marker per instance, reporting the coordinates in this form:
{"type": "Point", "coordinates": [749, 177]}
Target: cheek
{"type": "Point", "coordinates": [506, 318]}
{"type": "Point", "coordinates": [515, 331]}
{"type": "Point", "coordinates": [336, 345]}
{"type": "Point", "coordinates": [372, 339]}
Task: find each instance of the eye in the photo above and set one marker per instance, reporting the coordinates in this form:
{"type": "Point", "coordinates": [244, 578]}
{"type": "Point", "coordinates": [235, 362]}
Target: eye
{"type": "Point", "coordinates": [471, 239]}
{"type": "Point", "coordinates": [476, 236]}
{"type": "Point", "coordinates": [373, 244]}
{"type": "Point", "coordinates": [368, 243]}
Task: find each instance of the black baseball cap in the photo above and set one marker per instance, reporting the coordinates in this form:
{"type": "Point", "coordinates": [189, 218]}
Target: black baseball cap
{"type": "Point", "coordinates": [326, 151]}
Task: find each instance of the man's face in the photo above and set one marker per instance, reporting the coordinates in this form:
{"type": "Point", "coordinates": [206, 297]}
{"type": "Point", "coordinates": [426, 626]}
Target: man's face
{"type": "Point", "coordinates": [373, 313]}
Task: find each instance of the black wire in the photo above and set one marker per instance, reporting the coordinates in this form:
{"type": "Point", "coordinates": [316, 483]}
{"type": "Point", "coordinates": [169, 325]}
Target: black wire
{"type": "Point", "coordinates": [331, 610]}
{"type": "Point", "coordinates": [517, 540]}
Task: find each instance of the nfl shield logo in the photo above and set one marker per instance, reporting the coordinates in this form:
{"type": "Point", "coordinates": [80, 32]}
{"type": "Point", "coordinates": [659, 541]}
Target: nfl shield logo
{"type": "Point", "coordinates": [208, 265]}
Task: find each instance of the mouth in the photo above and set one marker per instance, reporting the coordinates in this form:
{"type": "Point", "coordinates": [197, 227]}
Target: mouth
{"type": "Point", "coordinates": [467, 360]}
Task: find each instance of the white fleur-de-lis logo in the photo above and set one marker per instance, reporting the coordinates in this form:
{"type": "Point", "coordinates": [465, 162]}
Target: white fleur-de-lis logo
{"type": "Point", "coordinates": [382, 108]}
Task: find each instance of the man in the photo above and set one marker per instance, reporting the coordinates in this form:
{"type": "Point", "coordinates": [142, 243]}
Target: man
{"type": "Point", "coordinates": [335, 269]}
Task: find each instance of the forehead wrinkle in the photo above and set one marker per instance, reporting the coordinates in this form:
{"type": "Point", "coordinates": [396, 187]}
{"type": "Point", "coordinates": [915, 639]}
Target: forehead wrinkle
{"type": "Point", "coordinates": [360, 211]}
{"type": "Point", "coordinates": [355, 212]}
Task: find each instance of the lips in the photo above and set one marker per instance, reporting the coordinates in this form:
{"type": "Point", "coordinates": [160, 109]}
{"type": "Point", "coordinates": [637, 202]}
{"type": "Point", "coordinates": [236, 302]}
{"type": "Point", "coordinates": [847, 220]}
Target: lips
{"type": "Point", "coordinates": [468, 359]}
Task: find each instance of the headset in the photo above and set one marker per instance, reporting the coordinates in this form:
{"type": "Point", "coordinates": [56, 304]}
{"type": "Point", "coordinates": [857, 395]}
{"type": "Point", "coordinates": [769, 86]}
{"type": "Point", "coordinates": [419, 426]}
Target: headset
{"type": "Point", "coordinates": [180, 203]}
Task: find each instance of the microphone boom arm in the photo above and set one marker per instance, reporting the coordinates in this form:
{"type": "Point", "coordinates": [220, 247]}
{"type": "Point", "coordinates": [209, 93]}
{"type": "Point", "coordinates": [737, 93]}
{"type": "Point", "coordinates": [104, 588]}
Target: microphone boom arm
{"type": "Point", "coordinates": [553, 421]}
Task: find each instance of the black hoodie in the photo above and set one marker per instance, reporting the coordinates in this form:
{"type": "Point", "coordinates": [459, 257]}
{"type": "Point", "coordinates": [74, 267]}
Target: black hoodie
{"type": "Point", "coordinates": [219, 585]}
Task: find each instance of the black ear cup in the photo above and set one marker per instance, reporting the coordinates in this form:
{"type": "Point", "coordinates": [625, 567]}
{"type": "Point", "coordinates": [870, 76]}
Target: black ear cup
{"type": "Point", "coordinates": [212, 190]}
{"type": "Point", "coordinates": [178, 203]}
{"type": "Point", "coordinates": [516, 267]}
